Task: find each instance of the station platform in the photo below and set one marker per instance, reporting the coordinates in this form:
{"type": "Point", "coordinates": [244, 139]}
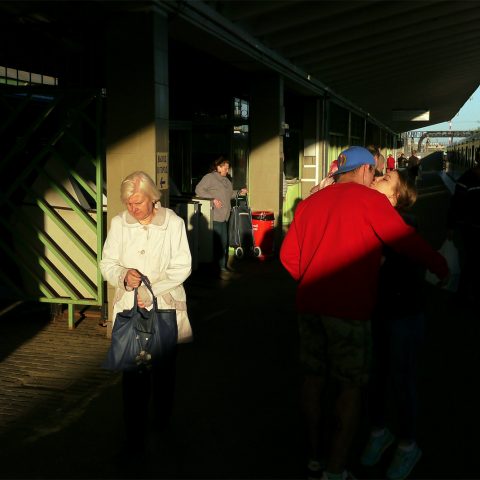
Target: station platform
{"type": "Point", "coordinates": [236, 411]}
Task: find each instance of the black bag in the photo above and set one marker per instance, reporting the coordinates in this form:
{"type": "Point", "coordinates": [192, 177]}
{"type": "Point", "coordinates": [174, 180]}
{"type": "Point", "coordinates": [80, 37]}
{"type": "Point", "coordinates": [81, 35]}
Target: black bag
{"type": "Point", "coordinates": [240, 233]}
{"type": "Point", "coordinates": [141, 337]}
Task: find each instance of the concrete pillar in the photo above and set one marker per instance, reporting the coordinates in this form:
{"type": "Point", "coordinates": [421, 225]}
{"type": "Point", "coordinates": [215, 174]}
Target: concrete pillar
{"type": "Point", "coordinates": [265, 166]}
{"type": "Point", "coordinates": [137, 104]}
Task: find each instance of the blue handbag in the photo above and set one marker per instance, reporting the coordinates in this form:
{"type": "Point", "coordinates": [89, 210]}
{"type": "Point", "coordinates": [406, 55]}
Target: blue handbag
{"type": "Point", "coordinates": [141, 337]}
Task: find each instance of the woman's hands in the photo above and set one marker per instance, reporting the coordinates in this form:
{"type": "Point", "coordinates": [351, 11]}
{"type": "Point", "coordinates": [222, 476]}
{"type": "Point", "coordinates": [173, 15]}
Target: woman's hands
{"type": "Point", "coordinates": [218, 203]}
{"type": "Point", "coordinates": [132, 278]}
{"type": "Point", "coordinates": [140, 302]}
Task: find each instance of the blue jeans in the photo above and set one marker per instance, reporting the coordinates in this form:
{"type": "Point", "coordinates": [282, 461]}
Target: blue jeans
{"type": "Point", "coordinates": [220, 244]}
{"type": "Point", "coordinates": [396, 345]}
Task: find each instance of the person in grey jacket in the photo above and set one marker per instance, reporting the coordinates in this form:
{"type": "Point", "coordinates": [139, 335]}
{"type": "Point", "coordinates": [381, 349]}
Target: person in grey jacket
{"type": "Point", "coordinates": [217, 186]}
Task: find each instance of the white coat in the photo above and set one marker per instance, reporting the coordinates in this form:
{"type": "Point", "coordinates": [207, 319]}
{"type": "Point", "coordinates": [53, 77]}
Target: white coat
{"type": "Point", "coordinates": [158, 250]}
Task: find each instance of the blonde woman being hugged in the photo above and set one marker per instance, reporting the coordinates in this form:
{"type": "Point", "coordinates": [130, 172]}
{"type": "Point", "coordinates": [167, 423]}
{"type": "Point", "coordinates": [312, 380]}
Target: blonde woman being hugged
{"type": "Point", "coordinates": [217, 186]}
{"type": "Point", "coordinates": [150, 239]}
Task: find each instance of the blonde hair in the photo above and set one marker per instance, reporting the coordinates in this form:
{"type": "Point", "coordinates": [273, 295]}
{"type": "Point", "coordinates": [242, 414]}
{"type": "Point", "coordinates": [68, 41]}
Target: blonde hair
{"type": "Point", "coordinates": [139, 182]}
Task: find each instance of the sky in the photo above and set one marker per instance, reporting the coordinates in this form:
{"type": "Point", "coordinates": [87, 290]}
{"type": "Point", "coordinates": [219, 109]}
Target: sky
{"type": "Point", "coordinates": [467, 118]}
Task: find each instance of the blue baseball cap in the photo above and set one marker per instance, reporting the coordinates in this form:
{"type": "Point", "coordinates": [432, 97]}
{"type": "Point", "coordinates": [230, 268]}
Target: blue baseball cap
{"type": "Point", "coordinates": [352, 158]}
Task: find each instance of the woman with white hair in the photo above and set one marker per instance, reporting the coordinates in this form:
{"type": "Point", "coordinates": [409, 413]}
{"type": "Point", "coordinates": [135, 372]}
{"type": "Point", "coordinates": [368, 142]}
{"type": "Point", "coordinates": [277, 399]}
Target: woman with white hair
{"type": "Point", "coordinates": [149, 239]}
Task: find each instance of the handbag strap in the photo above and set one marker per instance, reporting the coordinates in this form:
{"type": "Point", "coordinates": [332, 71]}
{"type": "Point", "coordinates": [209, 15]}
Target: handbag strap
{"type": "Point", "coordinates": [146, 324]}
{"type": "Point", "coordinates": [144, 279]}
{"type": "Point", "coordinates": [147, 283]}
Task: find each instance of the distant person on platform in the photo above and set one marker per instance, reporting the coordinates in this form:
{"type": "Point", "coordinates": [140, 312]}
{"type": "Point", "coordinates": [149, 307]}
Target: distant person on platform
{"type": "Point", "coordinates": [333, 249]}
{"type": "Point", "coordinates": [380, 166]}
{"type": "Point", "coordinates": [413, 164]}
{"type": "Point", "coordinates": [217, 186]}
{"type": "Point", "coordinates": [379, 159]}
{"type": "Point", "coordinates": [390, 163]}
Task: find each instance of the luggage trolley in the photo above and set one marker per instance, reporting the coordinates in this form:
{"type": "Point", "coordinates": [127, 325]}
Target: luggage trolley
{"type": "Point", "coordinates": [240, 230]}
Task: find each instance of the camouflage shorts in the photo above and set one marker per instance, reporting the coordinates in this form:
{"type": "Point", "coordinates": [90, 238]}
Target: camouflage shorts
{"type": "Point", "coordinates": [335, 347]}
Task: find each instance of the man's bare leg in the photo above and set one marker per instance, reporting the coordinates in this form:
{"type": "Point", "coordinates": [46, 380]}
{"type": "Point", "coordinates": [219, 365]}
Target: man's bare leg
{"type": "Point", "coordinates": [347, 407]}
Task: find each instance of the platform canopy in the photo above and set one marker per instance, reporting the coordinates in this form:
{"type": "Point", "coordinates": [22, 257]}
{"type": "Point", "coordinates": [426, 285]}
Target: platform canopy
{"type": "Point", "coordinates": [397, 60]}
{"type": "Point", "coordinates": [408, 64]}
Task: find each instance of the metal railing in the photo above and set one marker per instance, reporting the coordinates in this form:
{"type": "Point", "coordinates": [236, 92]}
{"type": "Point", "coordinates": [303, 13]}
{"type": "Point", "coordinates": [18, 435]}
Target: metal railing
{"type": "Point", "coordinates": [51, 163]}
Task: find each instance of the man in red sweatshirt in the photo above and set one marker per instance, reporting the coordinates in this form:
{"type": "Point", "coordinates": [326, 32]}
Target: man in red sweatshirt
{"type": "Point", "coordinates": [333, 249]}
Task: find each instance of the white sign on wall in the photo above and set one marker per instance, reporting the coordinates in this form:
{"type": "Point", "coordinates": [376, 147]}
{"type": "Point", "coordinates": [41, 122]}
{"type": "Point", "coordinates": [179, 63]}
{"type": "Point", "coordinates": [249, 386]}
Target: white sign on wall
{"type": "Point", "coordinates": [162, 170]}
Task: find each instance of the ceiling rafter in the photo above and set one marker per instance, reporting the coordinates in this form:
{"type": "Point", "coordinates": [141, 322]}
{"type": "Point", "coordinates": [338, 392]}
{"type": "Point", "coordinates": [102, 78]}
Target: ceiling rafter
{"type": "Point", "coordinates": [367, 71]}
{"type": "Point", "coordinates": [329, 45]}
{"type": "Point", "coordinates": [243, 10]}
{"type": "Point", "coordinates": [375, 39]}
{"type": "Point", "coordinates": [312, 31]}
{"type": "Point", "coordinates": [303, 13]}
{"type": "Point", "coordinates": [411, 51]}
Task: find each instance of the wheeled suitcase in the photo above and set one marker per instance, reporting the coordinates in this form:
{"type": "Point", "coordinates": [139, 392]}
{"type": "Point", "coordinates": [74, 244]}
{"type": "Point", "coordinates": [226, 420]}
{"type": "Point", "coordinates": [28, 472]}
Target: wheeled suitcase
{"type": "Point", "coordinates": [240, 230]}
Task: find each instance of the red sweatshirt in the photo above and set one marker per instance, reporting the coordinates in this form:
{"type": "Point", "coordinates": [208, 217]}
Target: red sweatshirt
{"type": "Point", "coordinates": [334, 246]}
